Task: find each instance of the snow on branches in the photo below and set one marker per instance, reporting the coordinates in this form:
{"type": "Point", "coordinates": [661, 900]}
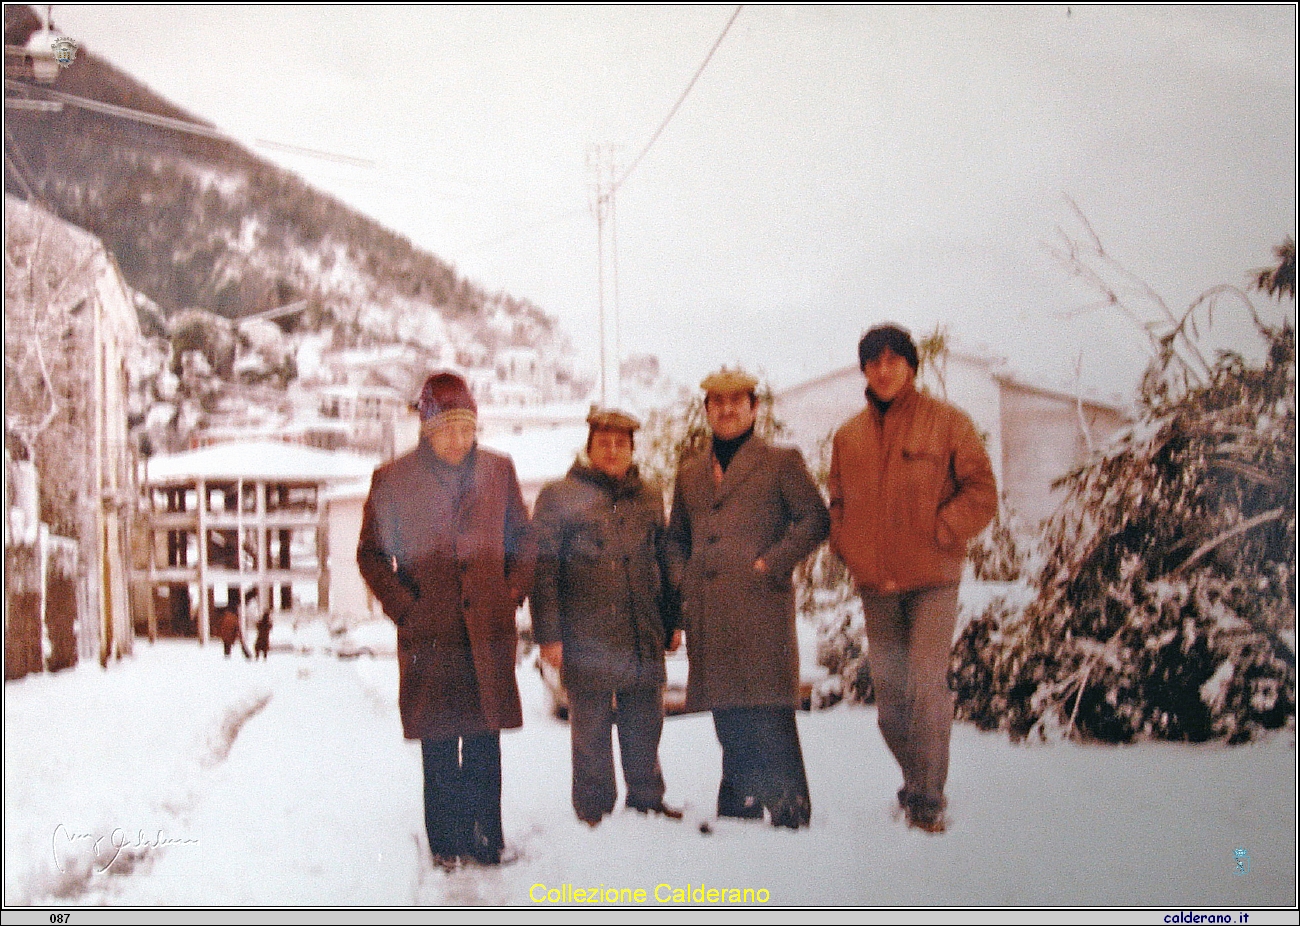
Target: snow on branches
{"type": "Point", "coordinates": [1166, 603]}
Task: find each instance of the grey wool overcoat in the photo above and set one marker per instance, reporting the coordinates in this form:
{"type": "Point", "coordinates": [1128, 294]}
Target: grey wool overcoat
{"type": "Point", "coordinates": [740, 623]}
{"type": "Point", "coordinates": [446, 551]}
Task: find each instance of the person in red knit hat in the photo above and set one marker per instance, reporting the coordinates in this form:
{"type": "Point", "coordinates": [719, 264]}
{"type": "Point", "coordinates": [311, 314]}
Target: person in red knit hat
{"type": "Point", "coordinates": [443, 547]}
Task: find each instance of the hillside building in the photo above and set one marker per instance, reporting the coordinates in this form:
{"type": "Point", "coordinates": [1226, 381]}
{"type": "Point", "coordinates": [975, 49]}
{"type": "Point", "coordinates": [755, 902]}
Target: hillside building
{"type": "Point", "coordinates": [240, 525]}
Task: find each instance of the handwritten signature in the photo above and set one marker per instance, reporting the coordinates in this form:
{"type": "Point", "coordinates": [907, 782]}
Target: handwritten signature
{"type": "Point", "coordinates": [107, 849]}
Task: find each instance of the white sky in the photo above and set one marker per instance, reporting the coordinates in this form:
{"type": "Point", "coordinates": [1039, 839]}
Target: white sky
{"type": "Point", "coordinates": [832, 168]}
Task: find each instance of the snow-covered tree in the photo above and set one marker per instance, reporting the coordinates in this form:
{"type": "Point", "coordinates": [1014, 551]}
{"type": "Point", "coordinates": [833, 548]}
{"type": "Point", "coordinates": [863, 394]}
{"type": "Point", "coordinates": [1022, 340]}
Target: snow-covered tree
{"type": "Point", "coordinates": [1166, 603]}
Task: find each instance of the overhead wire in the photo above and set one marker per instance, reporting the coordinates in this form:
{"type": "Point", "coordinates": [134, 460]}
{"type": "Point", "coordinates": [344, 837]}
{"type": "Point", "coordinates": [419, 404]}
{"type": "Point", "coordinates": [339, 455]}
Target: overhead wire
{"type": "Point", "coordinates": [206, 131]}
{"type": "Point", "coordinates": [181, 125]}
{"type": "Point", "coordinates": [637, 160]}
{"type": "Point", "coordinates": [678, 105]}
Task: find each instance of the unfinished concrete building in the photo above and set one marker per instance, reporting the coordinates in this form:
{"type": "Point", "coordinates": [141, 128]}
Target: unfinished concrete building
{"type": "Point", "coordinates": [240, 525]}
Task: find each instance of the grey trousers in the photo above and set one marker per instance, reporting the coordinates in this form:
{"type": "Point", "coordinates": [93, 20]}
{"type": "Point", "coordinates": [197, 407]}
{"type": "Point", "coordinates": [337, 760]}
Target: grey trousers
{"type": "Point", "coordinates": [639, 716]}
{"type": "Point", "coordinates": [909, 646]}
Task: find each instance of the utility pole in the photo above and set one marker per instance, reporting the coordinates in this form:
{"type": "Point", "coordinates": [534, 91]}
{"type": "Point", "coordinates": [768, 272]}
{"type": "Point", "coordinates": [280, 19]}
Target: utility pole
{"type": "Point", "coordinates": [601, 163]}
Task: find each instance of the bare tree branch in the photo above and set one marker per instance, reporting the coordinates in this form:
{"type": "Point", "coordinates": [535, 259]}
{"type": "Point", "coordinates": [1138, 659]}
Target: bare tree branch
{"type": "Point", "coordinates": [1247, 525]}
{"type": "Point", "coordinates": [1078, 402]}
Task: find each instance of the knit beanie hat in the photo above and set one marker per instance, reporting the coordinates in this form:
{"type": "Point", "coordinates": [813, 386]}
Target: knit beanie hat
{"type": "Point", "coordinates": [445, 397]}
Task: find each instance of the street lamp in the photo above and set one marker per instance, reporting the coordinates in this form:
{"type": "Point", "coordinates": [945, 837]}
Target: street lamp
{"type": "Point", "coordinates": [40, 47]}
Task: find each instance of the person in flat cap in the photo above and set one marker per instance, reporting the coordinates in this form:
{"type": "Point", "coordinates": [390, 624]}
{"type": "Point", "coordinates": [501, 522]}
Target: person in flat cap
{"type": "Point", "coordinates": [444, 548]}
{"type": "Point", "coordinates": [603, 614]}
{"type": "Point", "coordinates": [910, 485]}
{"type": "Point", "coordinates": [744, 515]}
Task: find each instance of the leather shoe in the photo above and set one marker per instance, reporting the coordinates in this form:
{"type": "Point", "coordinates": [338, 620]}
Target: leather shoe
{"type": "Point", "coordinates": [926, 814]}
{"type": "Point", "coordinates": [659, 810]}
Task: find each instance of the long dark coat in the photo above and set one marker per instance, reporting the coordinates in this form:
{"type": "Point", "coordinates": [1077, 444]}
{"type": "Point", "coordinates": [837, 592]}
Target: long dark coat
{"type": "Point", "coordinates": [601, 584]}
{"type": "Point", "coordinates": [739, 623]}
{"type": "Point", "coordinates": [444, 550]}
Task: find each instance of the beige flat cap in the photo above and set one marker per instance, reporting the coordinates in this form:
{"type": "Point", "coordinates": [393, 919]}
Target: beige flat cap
{"type": "Point", "coordinates": [728, 381]}
{"type": "Point", "coordinates": [611, 419]}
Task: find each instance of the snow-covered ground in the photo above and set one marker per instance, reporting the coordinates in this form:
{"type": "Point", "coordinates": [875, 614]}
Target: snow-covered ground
{"type": "Point", "coordinates": [179, 777]}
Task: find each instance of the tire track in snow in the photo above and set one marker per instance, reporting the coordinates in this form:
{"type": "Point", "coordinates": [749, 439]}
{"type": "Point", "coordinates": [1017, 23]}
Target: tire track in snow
{"type": "Point", "coordinates": [308, 798]}
{"type": "Point", "coordinates": [222, 740]}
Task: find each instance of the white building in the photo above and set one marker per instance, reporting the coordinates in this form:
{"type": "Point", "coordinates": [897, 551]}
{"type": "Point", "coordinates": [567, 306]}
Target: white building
{"type": "Point", "coordinates": [242, 517]}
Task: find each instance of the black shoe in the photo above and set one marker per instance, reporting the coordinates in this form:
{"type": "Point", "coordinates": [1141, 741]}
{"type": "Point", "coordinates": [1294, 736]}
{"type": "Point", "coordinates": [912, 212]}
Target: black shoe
{"type": "Point", "coordinates": [731, 804]}
{"type": "Point", "coordinates": [790, 812]}
{"type": "Point", "coordinates": [483, 855]}
{"type": "Point", "coordinates": [926, 814]}
{"type": "Point", "coordinates": [659, 810]}
{"type": "Point", "coordinates": [448, 863]}
{"type": "Point", "coordinates": [492, 858]}
{"type": "Point", "coordinates": [485, 851]}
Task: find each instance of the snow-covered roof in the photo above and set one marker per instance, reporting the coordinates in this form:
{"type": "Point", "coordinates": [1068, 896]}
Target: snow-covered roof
{"type": "Point", "coordinates": [343, 491]}
{"type": "Point", "coordinates": [540, 454]}
{"type": "Point", "coordinates": [353, 391]}
{"type": "Point", "coordinates": [997, 370]}
{"type": "Point", "coordinates": [261, 460]}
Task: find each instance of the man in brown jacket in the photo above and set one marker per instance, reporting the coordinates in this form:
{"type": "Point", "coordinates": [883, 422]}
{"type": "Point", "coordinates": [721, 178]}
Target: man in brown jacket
{"type": "Point", "coordinates": [910, 485]}
{"type": "Point", "coordinates": [744, 515]}
{"type": "Point", "coordinates": [443, 549]}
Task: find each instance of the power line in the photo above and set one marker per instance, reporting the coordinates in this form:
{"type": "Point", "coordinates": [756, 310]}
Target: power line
{"type": "Point", "coordinates": [193, 128]}
{"type": "Point", "coordinates": [519, 230]}
{"type": "Point", "coordinates": [314, 153]}
{"type": "Point", "coordinates": [676, 106]}
{"type": "Point", "coordinates": [604, 207]}
{"type": "Point", "coordinates": [181, 125]}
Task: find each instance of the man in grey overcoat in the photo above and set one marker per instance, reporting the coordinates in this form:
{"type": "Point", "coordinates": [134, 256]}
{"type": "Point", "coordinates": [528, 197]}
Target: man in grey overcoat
{"type": "Point", "coordinates": [744, 515]}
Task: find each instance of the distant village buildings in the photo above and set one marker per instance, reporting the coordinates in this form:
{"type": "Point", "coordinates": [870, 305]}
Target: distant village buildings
{"type": "Point", "coordinates": [262, 509]}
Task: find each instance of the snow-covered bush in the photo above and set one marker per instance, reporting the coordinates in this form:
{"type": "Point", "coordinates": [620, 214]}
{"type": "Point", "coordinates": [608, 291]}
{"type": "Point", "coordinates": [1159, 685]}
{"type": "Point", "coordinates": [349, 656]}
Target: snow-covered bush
{"type": "Point", "coordinates": [842, 649]}
{"type": "Point", "coordinates": [1000, 553]}
{"type": "Point", "coordinates": [1166, 603]}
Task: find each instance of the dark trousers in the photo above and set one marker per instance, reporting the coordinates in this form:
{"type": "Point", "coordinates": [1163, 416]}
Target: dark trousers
{"type": "Point", "coordinates": [639, 715]}
{"type": "Point", "coordinates": [462, 796]}
{"type": "Point", "coordinates": [909, 646]}
{"type": "Point", "coordinates": [762, 766]}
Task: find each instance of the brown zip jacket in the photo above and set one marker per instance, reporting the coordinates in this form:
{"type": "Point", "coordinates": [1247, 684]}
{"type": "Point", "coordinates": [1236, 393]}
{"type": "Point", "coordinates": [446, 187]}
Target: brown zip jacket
{"type": "Point", "coordinates": [908, 490]}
